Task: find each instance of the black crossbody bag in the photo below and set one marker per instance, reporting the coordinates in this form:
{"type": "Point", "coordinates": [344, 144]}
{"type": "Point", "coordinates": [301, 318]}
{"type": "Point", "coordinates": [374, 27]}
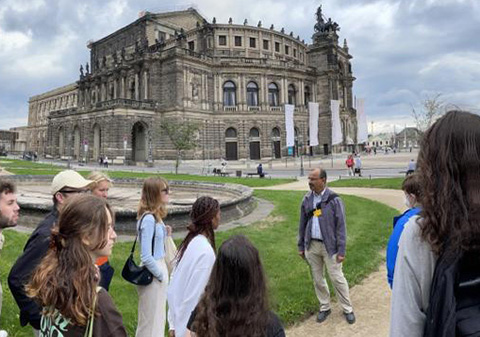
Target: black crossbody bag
{"type": "Point", "coordinates": [133, 273]}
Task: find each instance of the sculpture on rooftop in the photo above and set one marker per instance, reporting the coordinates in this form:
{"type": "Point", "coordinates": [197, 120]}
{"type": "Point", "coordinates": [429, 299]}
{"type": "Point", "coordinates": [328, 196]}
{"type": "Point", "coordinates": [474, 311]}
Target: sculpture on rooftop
{"type": "Point", "coordinates": [324, 27]}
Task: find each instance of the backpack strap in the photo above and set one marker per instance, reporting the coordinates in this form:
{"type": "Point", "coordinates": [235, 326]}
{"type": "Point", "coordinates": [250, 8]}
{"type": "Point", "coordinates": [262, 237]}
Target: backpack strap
{"type": "Point", "coordinates": [330, 197]}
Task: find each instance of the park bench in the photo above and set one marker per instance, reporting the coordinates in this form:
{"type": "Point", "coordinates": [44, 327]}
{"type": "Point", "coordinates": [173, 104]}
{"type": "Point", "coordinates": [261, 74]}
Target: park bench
{"type": "Point", "coordinates": [217, 171]}
{"type": "Point", "coordinates": [255, 174]}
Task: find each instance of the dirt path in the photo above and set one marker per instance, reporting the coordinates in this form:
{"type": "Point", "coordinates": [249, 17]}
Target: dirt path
{"type": "Point", "coordinates": [370, 298]}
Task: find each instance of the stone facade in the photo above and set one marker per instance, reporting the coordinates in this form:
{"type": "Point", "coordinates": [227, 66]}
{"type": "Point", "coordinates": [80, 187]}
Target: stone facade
{"type": "Point", "coordinates": [233, 80]}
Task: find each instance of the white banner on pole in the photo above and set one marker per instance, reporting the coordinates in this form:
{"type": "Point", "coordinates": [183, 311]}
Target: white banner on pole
{"type": "Point", "coordinates": [289, 127]}
{"type": "Point", "coordinates": [337, 137]}
{"type": "Point", "coordinates": [362, 126]}
{"type": "Point", "coordinates": [313, 123]}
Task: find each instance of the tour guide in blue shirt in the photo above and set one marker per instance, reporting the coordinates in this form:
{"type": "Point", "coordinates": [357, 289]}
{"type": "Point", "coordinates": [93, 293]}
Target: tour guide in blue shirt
{"type": "Point", "coordinates": [322, 242]}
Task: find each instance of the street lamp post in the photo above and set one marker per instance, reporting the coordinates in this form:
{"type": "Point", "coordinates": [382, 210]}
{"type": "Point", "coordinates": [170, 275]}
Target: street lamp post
{"type": "Point", "coordinates": [302, 171]}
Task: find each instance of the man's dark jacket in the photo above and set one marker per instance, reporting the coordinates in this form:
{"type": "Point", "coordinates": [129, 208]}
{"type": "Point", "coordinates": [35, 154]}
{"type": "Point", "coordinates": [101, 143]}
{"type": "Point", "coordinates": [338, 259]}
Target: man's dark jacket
{"type": "Point", "coordinates": [34, 251]}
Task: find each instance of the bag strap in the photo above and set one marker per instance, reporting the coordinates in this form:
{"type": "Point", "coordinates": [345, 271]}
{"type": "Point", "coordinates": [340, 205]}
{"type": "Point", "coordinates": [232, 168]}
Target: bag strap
{"type": "Point", "coordinates": [330, 197]}
{"type": "Point", "coordinates": [89, 329]}
{"type": "Point", "coordinates": [136, 236]}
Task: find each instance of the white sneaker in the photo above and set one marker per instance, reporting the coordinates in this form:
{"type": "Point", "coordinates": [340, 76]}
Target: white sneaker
{"type": "Point", "coordinates": [3, 333]}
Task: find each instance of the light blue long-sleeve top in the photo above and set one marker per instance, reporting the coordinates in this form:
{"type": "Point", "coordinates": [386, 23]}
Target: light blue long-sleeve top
{"type": "Point", "coordinates": [147, 228]}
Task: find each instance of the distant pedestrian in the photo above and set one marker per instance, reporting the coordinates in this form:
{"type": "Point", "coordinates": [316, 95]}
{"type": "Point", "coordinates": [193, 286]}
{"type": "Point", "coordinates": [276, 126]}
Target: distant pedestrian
{"type": "Point", "coordinates": [358, 166]}
{"type": "Point", "coordinates": [105, 161]}
{"type": "Point", "coordinates": [411, 167]}
{"type": "Point", "coordinates": [260, 171]}
{"type": "Point", "coordinates": [100, 161]}
{"type": "Point", "coordinates": [350, 164]}
{"type": "Point", "coordinates": [375, 150]}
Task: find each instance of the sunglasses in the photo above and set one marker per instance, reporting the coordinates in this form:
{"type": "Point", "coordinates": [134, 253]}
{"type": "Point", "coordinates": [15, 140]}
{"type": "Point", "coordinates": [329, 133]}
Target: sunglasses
{"type": "Point", "coordinates": [166, 191]}
{"type": "Point", "coordinates": [74, 191]}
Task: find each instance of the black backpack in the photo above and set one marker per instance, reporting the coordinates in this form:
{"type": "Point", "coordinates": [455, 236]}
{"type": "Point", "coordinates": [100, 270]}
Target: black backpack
{"type": "Point", "coordinates": [454, 305]}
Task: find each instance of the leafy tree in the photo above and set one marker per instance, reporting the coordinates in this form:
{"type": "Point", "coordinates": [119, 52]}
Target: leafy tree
{"type": "Point", "coordinates": [432, 108]}
{"type": "Point", "coordinates": [182, 134]}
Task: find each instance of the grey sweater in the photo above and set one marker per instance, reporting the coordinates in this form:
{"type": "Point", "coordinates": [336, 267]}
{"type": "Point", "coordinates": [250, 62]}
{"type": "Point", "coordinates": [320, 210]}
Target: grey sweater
{"type": "Point", "coordinates": [411, 286]}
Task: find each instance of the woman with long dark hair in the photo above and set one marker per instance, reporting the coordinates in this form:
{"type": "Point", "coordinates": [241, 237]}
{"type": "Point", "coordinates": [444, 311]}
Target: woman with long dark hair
{"type": "Point", "coordinates": [65, 283]}
{"type": "Point", "coordinates": [152, 298]}
{"type": "Point", "coordinates": [194, 262]}
{"type": "Point", "coordinates": [447, 230]}
{"type": "Point", "coordinates": [235, 302]}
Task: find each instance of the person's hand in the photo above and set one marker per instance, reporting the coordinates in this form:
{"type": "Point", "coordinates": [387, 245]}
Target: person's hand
{"type": "Point", "coordinates": [169, 232]}
{"type": "Point", "coordinates": [171, 333]}
{"type": "Point", "coordinates": [302, 254]}
{"type": "Point", "coordinates": [340, 258]}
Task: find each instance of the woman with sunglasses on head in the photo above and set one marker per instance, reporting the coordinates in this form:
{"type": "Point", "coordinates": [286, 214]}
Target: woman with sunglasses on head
{"type": "Point", "coordinates": [152, 298]}
{"type": "Point", "coordinates": [194, 262]}
{"type": "Point", "coordinates": [99, 187]}
{"type": "Point", "coordinates": [65, 283]}
{"type": "Point", "coordinates": [235, 302]}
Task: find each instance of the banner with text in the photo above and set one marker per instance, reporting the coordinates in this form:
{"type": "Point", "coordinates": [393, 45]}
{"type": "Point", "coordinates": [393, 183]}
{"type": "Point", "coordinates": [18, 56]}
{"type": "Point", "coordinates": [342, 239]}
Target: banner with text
{"type": "Point", "coordinates": [313, 123]}
{"type": "Point", "coordinates": [362, 126]}
{"type": "Point", "coordinates": [289, 125]}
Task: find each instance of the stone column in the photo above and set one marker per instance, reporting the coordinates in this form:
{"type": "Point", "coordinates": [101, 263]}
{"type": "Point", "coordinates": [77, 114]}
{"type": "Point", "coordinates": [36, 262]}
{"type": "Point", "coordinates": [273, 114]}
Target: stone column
{"type": "Point", "coordinates": [137, 89]}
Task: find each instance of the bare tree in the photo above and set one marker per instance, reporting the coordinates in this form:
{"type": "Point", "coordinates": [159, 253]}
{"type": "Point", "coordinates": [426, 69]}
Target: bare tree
{"type": "Point", "coordinates": [183, 135]}
{"type": "Point", "coordinates": [432, 108]}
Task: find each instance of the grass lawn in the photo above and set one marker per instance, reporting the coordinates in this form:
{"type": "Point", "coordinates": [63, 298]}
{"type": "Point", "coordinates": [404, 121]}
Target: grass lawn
{"type": "Point", "coordinates": [292, 293]}
{"type": "Point", "coordinates": [390, 183]}
{"type": "Point", "coordinates": [29, 168]}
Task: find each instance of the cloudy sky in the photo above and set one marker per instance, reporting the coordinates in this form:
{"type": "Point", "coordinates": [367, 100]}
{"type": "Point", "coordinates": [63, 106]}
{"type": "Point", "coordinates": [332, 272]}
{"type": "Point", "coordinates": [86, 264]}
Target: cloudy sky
{"type": "Point", "coordinates": [404, 50]}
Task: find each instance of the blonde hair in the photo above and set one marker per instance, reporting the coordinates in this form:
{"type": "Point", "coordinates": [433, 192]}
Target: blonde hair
{"type": "Point", "coordinates": [151, 199]}
{"type": "Point", "coordinates": [97, 177]}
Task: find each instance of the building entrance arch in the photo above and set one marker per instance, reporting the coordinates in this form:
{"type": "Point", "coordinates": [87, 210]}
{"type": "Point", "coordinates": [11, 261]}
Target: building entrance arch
{"type": "Point", "coordinates": [231, 144]}
{"type": "Point", "coordinates": [139, 142]}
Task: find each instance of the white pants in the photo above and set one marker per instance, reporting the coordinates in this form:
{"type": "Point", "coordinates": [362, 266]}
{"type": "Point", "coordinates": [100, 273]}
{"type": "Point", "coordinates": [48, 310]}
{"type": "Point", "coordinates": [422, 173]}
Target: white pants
{"type": "Point", "coordinates": [152, 306]}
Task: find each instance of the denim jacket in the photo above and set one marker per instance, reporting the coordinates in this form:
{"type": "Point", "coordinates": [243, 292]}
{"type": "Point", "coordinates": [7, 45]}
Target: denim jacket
{"type": "Point", "coordinates": [147, 228]}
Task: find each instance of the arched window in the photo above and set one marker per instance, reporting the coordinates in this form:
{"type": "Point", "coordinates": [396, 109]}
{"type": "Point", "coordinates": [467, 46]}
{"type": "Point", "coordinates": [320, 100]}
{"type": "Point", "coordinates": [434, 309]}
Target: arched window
{"type": "Point", "coordinates": [273, 94]}
{"type": "Point", "coordinates": [254, 133]}
{"type": "Point", "coordinates": [229, 94]}
{"type": "Point", "coordinates": [275, 132]}
{"type": "Point", "coordinates": [308, 95]}
{"type": "Point", "coordinates": [230, 133]}
{"type": "Point", "coordinates": [252, 94]}
{"type": "Point", "coordinates": [292, 93]}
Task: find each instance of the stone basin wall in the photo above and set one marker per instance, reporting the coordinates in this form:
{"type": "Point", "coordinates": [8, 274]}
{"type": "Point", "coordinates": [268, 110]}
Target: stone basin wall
{"type": "Point", "coordinates": [236, 202]}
